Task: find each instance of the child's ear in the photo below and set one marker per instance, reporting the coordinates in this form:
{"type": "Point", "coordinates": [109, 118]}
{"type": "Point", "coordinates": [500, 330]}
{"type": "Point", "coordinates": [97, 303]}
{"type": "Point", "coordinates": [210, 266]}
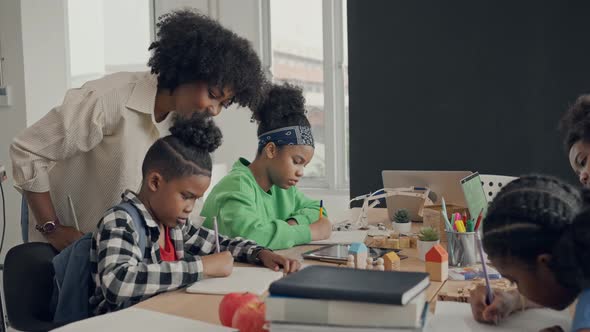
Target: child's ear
{"type": "Point", "coordinates": [154, 181]}
{"type": "Point", "coordinates": [271, 150]}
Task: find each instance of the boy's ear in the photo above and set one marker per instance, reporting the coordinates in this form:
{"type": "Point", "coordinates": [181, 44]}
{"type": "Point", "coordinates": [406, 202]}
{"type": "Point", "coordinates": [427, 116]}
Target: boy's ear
{"type": "Point", "coordinates": [271, 150]}
{"type": "Point", "coordinates": [154, 181]}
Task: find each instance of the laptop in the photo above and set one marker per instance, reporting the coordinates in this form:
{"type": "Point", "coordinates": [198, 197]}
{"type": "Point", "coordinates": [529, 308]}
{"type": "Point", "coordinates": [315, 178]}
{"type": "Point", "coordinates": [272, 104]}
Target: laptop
{"type": "Point", "coordinates": [445, 184]}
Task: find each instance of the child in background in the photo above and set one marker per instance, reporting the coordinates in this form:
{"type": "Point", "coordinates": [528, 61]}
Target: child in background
{"type": "Point", "coordinates": [176, 171]}
{"type": "Point", "coordinates": [575, 126]}
{"type": "Point", "coordinates": [259, 200]}
{"type": "Point", "coordinates": [537, 234]}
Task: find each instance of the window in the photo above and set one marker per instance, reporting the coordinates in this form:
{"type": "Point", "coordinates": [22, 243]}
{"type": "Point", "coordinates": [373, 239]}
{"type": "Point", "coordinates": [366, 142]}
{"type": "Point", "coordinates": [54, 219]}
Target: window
{"type": "Point", "coordinates": [312, 53]}
{"type": "Point", "coordinates": [108, 36]}
{"type": "Point", "coordinates": [297, 58]}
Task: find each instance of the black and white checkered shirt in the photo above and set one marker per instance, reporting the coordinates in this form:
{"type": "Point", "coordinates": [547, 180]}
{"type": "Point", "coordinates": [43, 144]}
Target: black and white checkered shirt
{"type": "Point", "coordinates": [122, 278]}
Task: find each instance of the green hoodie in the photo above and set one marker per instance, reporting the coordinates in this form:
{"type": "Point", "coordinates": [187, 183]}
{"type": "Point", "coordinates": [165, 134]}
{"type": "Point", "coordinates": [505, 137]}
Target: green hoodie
{"type": "Point", "coordinates": [243, 209]}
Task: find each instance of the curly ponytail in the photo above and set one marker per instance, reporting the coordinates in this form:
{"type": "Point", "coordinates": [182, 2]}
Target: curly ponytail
{"type": "Point", "coordinates": [187, 150]}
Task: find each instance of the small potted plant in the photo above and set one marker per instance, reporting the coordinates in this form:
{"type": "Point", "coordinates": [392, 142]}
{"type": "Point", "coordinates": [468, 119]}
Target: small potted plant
{"type": "Point", "coordinates": [427, 238]}
{"type": "Point", "coordinates": [401, 222]}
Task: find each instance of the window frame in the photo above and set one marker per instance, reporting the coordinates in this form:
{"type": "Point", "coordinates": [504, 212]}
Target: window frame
{"type": "Point", "coordinates": [336, 178]}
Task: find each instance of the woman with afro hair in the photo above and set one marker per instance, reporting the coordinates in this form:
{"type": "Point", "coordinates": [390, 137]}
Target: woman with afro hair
{"type": "Point", "coordinates": [80, 156]}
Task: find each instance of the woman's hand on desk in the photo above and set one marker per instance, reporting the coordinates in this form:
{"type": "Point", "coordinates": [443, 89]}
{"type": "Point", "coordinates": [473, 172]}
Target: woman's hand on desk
{"type": "Point", "coordinates": [321, 229]}
{"type": "Point", "coordinates": [63, 237]}
{"type": "Point", "coordinates": [276, 262]}
{"type": "Point", "coordinates": [505, 303]}
{"type": "Point", "coordinates": [218, 265]}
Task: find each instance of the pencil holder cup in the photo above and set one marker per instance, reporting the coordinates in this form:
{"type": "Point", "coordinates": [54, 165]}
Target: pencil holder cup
{"type": "Point", "coordinates": [462, 248]}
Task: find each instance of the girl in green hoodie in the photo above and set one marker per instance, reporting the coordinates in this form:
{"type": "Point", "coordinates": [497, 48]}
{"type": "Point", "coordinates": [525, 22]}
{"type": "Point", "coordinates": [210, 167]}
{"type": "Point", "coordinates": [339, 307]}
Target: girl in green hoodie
{"type": "Point", "coordinates": [259, 200]}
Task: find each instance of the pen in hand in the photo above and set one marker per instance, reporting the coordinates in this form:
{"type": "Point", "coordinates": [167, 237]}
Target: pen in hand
{"type": "Point", "coordinates": [216, 234]}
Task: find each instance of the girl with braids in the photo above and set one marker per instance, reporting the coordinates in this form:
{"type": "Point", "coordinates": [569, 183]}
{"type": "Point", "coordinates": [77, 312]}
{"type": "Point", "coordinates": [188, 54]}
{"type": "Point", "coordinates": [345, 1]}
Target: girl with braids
{"type": "Point", "coordinates": [176, 171]}
{"type": "Point", "coordinates": [536, 233]}
{"type": "Point", "coordinates": [259, 200]}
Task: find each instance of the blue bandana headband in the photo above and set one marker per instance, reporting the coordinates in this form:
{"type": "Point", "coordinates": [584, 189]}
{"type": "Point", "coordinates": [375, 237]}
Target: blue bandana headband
{"type": "Point", "coordinates": [294, 135]}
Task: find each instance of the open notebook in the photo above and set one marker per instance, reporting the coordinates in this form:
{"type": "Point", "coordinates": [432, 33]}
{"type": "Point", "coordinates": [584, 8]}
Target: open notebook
{"type": "Point", "coordinates": [135, 319]}
{"type": "Point", "coordinates": [243, 279]}
{"type": "Point", "coordinates": [455, 316]}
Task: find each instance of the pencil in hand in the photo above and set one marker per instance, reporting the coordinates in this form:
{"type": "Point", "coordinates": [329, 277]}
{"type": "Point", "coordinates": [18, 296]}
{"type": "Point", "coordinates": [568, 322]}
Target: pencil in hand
{"type": "Point", "coordinates": [216, 234]}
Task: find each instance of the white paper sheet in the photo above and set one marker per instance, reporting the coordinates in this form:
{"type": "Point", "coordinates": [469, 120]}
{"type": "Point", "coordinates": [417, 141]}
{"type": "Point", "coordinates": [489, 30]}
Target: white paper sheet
{"type": "Point", "coordinates": [455, 316]}
{"type": "Point", "coordinates": [243, 279]}
{"type": "Point", "coordinates": [135, 319]}
{"type": "Point", "coordinates": [344, 237]}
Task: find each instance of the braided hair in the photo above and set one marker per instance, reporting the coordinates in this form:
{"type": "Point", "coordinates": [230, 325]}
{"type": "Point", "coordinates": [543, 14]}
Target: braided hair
{"type": "Point", "coordinates": [186, 151]}
{"type": "Point", "coordinates": [536, 215]}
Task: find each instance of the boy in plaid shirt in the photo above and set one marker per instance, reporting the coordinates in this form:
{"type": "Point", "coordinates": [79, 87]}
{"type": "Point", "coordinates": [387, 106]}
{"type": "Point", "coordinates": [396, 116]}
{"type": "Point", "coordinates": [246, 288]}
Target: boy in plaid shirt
{"type": "Point", "coordinates": [176, 171]}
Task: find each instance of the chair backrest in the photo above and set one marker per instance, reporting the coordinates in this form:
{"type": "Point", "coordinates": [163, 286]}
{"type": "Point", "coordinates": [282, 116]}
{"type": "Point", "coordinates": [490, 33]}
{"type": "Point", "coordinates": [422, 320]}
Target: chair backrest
{"type": "Point", "coordinates": [24, 219]}
{"type": "Point", "coordinates": [492, 184]}
{"type": "Point", "coordinates": [28, 285]}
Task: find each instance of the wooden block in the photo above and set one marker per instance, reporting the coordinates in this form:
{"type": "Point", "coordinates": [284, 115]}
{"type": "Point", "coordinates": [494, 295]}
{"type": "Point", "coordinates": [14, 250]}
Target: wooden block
{"type": "Point", "coordinates": [360, 253]}
{"type": "Point", "coordinates": [360, 260]}
{"type": "Point", "coordinates": [437, 254]}
{"type": "Point", "coordinates": [462, 294]}
{"type": "Point", "coordinates": [393, 243]}
{"type": "Point", "coordinates": [404, 242]}
{"type": "Point", "coordinates": [438, 271]}
{"type": "Point", "coordinates": [391, 261]}
{"type": "Point", "coordinates": [378, 242]}
{"type": "Point", "coordinates": [414, 241]}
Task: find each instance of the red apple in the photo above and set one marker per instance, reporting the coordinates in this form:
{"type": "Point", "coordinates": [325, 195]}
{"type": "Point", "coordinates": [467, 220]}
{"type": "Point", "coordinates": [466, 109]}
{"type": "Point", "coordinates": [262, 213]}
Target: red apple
{"type": "Point", "coordinates": [250, 317]}
{"type": "Point", "coordinates": [232, 302]}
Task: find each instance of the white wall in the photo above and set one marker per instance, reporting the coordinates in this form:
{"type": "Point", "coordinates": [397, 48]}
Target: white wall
{"type": "Point", "coordinates": [128, 46]}
{"type": "Point", "coordinates": [86, 38]}
{"type": "Point", "coordinates": [12, 119]}
{"type": "Point", "coordinates": [107, 36]}
{"type": "Point", "coordinates": [44, 35]}
{"type": "Point", "coordinates": [165, 6]}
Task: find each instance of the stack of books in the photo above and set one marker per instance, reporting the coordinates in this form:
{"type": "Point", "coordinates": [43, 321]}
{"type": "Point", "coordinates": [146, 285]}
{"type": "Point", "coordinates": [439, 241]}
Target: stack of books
{"type": "Point", "coordinates": [325, 298]}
